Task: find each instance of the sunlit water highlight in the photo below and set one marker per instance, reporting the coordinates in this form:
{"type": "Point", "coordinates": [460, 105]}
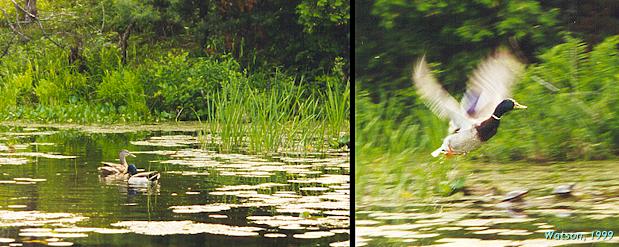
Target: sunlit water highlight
{"type": "Point", "coordinates": [51, 193]}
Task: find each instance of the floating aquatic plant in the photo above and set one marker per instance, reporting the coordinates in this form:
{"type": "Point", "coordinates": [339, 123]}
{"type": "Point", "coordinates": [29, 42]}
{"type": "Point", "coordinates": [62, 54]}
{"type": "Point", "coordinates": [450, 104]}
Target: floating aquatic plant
{"type": "Point", "coordinates": [186, 227]}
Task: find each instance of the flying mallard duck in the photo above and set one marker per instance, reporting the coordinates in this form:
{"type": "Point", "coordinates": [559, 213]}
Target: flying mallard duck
{"type": "Point", "coordinates": [142, 177]}
{"type": "Point", "coordinates": [116, 169]}
{"type": "Point", "coordinates": [476, 119]}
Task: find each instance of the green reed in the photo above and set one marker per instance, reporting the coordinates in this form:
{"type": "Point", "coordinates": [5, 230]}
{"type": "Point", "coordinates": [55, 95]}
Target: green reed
{"type": "Point", "coordinates": [281, 117]}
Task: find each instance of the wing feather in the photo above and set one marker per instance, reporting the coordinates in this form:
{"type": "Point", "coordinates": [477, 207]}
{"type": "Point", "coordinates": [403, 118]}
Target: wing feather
{"type": "Point", "coordinates": [436, 98]}
{"type": "Point", "coordinates": [490, 84]}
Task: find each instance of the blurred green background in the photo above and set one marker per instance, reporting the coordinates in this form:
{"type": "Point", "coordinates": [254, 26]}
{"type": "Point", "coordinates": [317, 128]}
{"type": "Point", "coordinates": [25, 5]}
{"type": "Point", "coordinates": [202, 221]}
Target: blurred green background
{"type": "Point", "coordinates": [570, 85]}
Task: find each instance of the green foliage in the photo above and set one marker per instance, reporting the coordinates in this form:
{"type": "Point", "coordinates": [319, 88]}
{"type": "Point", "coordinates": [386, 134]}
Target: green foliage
{"type": "Point", "coordinates": [61, 87]}
{"type": "Point", "coordinates": [126, 12]}
{"type": "Point", "coordinates": [315, 13]}
{"type": "Point", "coordinates": [572, 97]}
{"type": "Point", "coordinates": [226, 116]}
{"type": "Point", "coordinates": [315, 32]}
{"type": "Point", "coordinates": [219, 61]}
{"type": "Point", "coordinates": [42, 86]}
{"type": "Point", "coordinates": [123, 90]}
{"type": "Point", "coordinates": [16, 88]}
{"type": "Point", "coordinates": [72, 113]}
{"type": "Point", "coordinates": [337, 95]}
{"type": "Point", "coordinates": [102, 58]}
{"type": "Point", "coordinates": [392, 34]}
{"type": "Point", "coordinates": [180, 83]}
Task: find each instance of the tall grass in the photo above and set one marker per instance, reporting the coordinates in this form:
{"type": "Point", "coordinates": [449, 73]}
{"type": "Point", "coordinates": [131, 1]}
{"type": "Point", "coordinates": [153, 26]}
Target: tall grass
{"type": "Point", "coordinates": [38, 84]}
{"type": "Point", "coordinates": [280, 117]}
{"type": "Point", "coordinates": [226, 116]}
{"type": "Point", "coordinates": [337, 100]}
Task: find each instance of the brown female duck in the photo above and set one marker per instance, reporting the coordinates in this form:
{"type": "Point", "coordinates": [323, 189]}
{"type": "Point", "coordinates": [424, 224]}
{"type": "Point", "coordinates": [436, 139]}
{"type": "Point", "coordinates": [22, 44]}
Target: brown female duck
{"type": "Point", "coordinates": [116, 169]}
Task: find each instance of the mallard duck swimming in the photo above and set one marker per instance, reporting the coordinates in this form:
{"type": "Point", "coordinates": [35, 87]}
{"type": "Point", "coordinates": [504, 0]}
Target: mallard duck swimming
{"type": "Point", "coordinates": [476, 119]}
{"type": "Point", "coordinates": [116, 169]}
{"type": "Point", "coordinates": [142, 177]}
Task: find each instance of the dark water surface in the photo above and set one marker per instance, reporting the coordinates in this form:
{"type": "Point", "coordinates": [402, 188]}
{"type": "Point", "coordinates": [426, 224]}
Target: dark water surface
{"type": "Point", "coordinates": [203, 198]}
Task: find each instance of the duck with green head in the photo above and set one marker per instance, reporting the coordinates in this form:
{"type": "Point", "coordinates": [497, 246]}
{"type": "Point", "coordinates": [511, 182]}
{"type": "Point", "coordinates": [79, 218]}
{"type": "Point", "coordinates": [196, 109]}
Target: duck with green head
{"type": "Point", "coordinates": [116, 169]}
{"type": "Point", "coordinates": [476, 118]}
{"type": "Point", "coordinates": [138, 178]}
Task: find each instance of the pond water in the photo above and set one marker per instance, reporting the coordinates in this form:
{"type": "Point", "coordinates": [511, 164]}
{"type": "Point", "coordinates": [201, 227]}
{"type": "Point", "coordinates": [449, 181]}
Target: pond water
{"type": "Point", "coordinates": [480, 216]}
{"type": "Point", "coordinates": [51, 192]}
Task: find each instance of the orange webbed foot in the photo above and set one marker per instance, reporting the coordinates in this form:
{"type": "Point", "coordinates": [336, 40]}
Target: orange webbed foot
{"type": "Point", "coordinates": [450, 153]}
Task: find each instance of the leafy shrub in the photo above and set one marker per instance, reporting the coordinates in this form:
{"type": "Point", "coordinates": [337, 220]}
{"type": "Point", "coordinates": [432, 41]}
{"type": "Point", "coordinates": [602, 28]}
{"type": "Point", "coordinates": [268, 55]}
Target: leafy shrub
{"type": "Point", "coordinates": [179, 82]}
{"type": "Point", "coordinates": [123, 90]}
{"type": "Point", "coordinates": [16, 89]}
{"type": "Point", "coordinates": [61, 87]}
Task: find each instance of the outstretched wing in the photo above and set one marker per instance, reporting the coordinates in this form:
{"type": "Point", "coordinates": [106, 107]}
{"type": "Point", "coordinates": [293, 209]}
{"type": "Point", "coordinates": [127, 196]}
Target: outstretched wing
{"type": "Point", "coordinates": [436, 98]}
{"type": "Point", "coordinates": [490, 84]}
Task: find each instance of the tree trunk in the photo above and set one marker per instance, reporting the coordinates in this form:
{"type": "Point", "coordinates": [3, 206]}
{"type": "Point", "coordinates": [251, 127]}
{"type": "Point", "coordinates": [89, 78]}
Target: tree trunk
{"type": "Point", "coordinates": [124, 42]}
{"type": "Point", "coordinates": [31, 7]}
{"type": "Point", "coordinates": [76, 58]}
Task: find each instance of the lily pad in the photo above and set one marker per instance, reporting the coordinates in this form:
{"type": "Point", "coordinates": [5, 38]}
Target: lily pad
{"type": "Point", "coordinates": [200, 208]}
{"type": "Point", "coordinates": [311, 235]}
{"type": "Point", "coordinates": [13, 161]}
{"type": "Point", "coordinates": [185, 227]}
{"type": "Point", "coordinates": [6, 240]}
{"type": "Point", "coordinates": [60, 244]}
{"type": "Point", "coordinates": [40, 155]}
{"type": "Point", "coordinates": [274, 235]}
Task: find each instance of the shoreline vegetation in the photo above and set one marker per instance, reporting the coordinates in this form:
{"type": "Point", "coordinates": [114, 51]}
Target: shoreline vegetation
{"type": "Point", "coordinates": [217, 63]}
{"type": "Point", "coordinates": [269, 111]}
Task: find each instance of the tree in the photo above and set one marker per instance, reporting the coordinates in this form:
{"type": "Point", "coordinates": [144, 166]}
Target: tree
{"type": "Point", "coordinates": [127, 16]}
{"type": "Point", "coordinates": [456, 33]}
{"type": "Point", "coordinates": [31, 7]}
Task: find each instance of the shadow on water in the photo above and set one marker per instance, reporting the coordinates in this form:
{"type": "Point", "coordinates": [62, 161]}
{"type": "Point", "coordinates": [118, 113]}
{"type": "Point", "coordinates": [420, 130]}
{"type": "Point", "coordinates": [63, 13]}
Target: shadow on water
{"type": "Point", "coordinates": [51, 192]}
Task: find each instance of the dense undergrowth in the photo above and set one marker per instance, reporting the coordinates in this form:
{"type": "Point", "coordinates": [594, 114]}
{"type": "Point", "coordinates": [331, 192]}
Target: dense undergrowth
{"type": "Point", "coordinates": [572, 115]}
{"type": "Point", "coordinates": [261, 111]}
{"type": "Point", "coordinates": [44, 86]}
